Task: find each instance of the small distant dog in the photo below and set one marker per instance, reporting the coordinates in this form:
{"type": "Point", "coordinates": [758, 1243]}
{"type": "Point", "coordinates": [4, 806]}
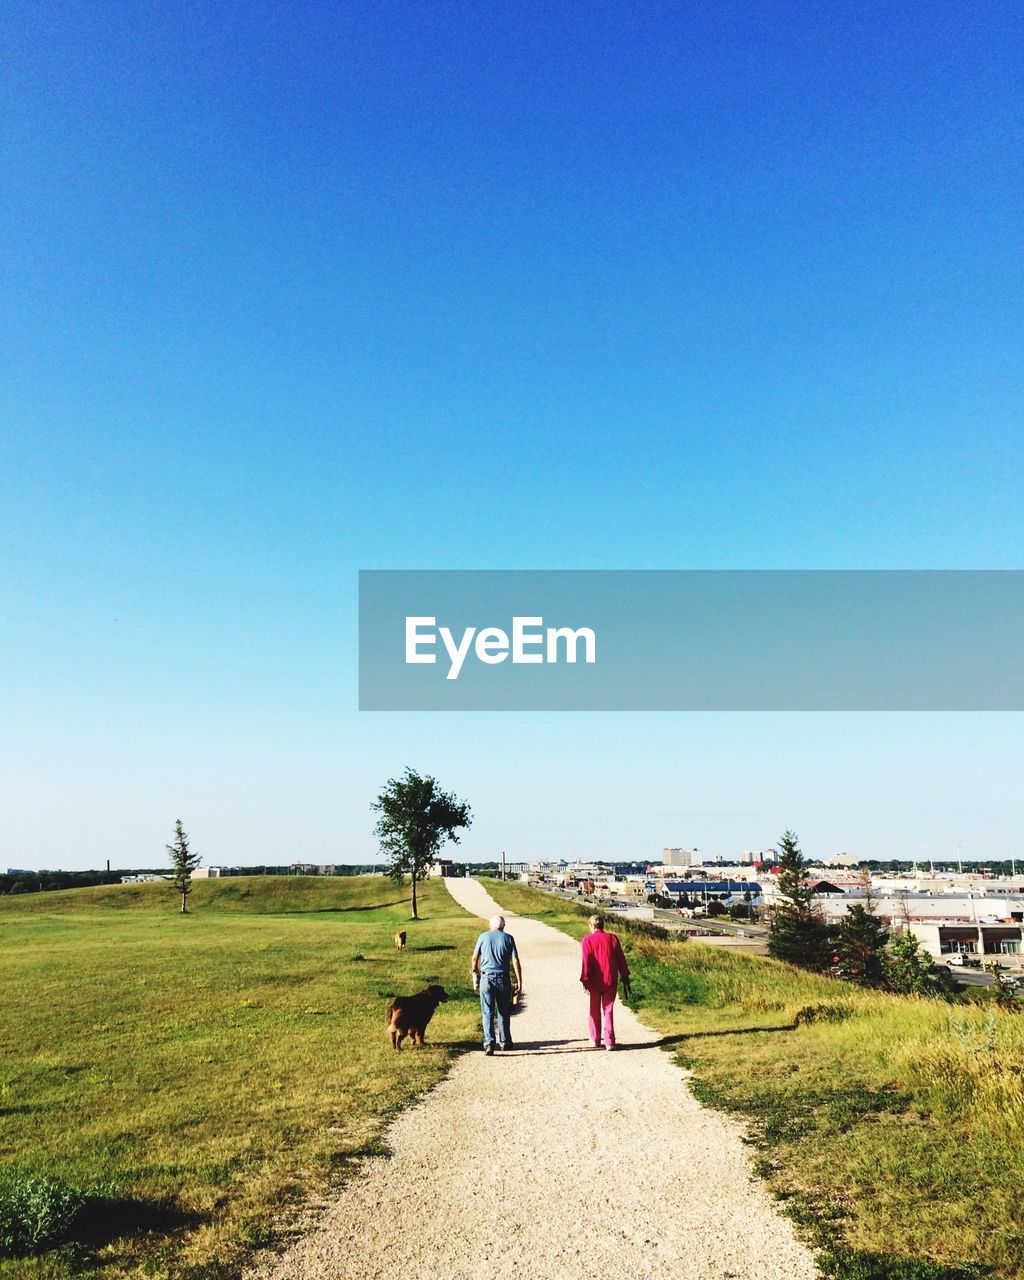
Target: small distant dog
{"type": "Point", "coordinates": [409, 1015]}
{"type": "Point", "coordinates": [400, 939]}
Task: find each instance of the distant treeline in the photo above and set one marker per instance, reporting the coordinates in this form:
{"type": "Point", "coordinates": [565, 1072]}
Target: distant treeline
{"type": "Point", "coordinates": [40, 881]}
{"type": "Point", "coordinates": [44, 881]}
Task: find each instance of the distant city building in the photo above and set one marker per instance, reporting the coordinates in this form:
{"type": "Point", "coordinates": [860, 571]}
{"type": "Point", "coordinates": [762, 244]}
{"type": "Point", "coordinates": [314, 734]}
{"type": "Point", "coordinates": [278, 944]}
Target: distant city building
{"type": "Point", "coordinates": [146, 877]}
{"type": "Point", "coordinates": [208, 873]}
{"type": "Point", "coordinates": [680, 857]}
{"type": "Point", "coordinates": [717, 890]}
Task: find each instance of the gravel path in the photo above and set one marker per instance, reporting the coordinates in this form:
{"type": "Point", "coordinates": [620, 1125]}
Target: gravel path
{"type": "Point", "coordinates": [553, 1161]}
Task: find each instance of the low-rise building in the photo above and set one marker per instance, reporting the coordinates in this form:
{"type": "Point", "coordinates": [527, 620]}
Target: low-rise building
{"type": "Point", "coordinates": [446, 868]}
{"type": "Point", "coordinates": [942, 938]}
{"type": "Point", "coordinates": [704, 890]}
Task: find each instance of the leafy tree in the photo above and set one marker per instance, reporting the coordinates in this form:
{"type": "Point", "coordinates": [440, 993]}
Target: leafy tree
{"type": "Point", "coordinates": [798, 932]}
{"type": "Point", "coordinates": [416, 819]}
{"type": "Point", "coordinates": [860, 946]}
{"type": "Point", "coordinates": [911, 971]}
{"type": "Point", "coordinates": [183, 863]}
{"type": "Point", "coordinates": [715, 908]}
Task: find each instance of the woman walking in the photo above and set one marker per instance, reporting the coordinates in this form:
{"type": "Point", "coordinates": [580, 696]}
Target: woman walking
{"type": "Point", "coordinates": [603, 965]}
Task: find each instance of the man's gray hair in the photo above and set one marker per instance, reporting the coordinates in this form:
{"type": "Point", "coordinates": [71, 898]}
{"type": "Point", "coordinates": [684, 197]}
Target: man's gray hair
{"type": "Point", "coordinates": [497, 922]}
{"type": "Point", "coordinates": [596, 922]}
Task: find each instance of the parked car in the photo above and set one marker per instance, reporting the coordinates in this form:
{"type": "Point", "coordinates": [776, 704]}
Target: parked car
{"type": "Point", "coordinates": [963, 958]}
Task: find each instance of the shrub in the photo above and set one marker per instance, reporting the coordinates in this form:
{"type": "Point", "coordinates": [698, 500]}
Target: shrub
{"type": "Point", "coordinates": [36, 1212]}
{"type": "Point", "coordinates": [909, 970]}
{"type": "Point", "coordinates": [822, 1013]}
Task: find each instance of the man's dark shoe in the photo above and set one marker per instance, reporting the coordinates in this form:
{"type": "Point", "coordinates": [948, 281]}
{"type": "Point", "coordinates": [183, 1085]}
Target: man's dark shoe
{"type": "Point", "coordinates": [489, 1050]}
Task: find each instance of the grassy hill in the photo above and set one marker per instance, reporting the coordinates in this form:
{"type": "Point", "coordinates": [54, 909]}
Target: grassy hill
{"type": "Point", "coordinates": [893, 1127]}
{"type": "Point", "coordinates": [196, 1075]}
{"type": "Point", "coordinates": [262, 895]}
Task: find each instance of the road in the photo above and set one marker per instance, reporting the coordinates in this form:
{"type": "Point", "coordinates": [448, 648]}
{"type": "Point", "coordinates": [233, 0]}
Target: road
{"type": "Point", "coordinates": [971, 977]}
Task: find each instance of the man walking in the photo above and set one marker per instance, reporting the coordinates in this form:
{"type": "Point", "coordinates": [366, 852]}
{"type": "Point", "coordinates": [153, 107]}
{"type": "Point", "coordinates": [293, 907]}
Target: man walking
{"type": "Point", "coordinates": [494, 953]}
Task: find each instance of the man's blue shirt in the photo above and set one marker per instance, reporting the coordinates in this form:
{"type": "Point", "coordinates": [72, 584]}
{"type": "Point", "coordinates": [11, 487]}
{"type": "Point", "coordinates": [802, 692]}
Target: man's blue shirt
{"type": "Point", "coordinates": [496, 949]}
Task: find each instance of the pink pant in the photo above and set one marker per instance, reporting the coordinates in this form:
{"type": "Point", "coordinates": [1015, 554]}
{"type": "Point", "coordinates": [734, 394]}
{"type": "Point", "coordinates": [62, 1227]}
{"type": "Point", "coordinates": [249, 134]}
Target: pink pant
{"type": "Point", "coordinates": [602, 1003]}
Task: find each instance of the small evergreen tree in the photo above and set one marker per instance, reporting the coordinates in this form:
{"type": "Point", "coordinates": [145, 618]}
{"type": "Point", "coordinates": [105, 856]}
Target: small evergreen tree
{"type": "Point", "coordinates": [860, 946]}
{"type": "Point", "coordinates": [183, 863]}
{"type": "Point", "coordinates": [798, 932]}
{"type": "Point", "coordinates": [416, 818]}
{"type": "Point", "coordinates": [911, 971]}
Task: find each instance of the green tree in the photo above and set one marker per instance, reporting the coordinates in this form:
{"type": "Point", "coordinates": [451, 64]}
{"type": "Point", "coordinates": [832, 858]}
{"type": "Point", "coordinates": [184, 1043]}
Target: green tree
{"type": "Point", "coordinates": [416, 819]}
{"type": "Point", "coordinates": [911, 971]}
{"type": "Point", "coordinates": [183, 863]}
{"type": "Point", "coordinates": [798, 932]}
{"type": "Point", "coordinates": [860, 945]}
{"type": "Point", "coordinates": [1005, 996]}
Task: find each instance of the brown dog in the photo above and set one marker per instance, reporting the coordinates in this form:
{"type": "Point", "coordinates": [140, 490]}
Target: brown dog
{"type": "Point", "coordinates": [409, 1015]}
{"type": "Point", "coordinates": [400, 939]}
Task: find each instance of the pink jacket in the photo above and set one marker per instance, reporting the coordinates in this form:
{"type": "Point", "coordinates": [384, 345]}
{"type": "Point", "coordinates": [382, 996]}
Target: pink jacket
{"type": "Point", "coordinates": [603, 962]}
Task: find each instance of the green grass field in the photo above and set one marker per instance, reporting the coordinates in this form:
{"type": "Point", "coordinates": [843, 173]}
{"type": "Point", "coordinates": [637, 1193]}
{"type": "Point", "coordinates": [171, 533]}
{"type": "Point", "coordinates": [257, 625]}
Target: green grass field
{"type": "Point", "coordinates": [201, 1077]}
{"type": "Point", "coordinates": [893, 1127]}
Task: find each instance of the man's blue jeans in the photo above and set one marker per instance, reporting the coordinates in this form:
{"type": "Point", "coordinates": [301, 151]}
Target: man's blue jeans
{"type": "Point", "coordinates": [496, 997]}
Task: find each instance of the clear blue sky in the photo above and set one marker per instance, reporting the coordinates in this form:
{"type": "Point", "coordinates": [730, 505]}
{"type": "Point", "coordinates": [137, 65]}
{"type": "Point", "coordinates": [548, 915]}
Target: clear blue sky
{"type": "Point", "coordinates": [292, 290]}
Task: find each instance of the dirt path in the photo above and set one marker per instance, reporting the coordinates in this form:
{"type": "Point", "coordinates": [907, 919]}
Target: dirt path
{"type": "Point", "coordinates": [554, 1161]}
